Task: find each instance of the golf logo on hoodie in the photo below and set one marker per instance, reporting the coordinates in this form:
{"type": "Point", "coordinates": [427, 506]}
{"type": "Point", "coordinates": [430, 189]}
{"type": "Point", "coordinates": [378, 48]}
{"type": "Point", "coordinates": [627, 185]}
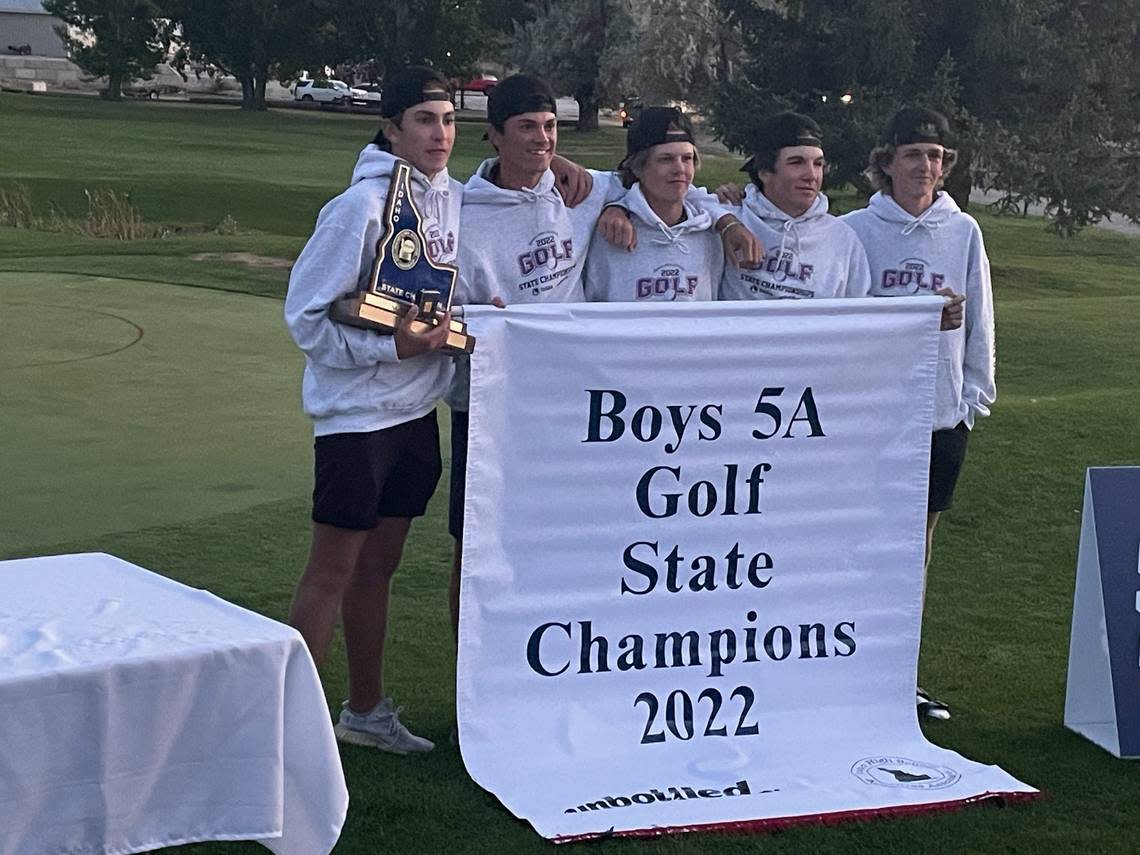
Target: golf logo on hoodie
{"type": "Point", "coordinates": [667, 282]}
{"type": "Point", "coordinates": [439, 245]}
{"type": "Point", "coordinates": [911, 276]}
{"type": "Point", "coordinates": [776, 274]}
{"type": "Point", "coordinates": [550, 257]}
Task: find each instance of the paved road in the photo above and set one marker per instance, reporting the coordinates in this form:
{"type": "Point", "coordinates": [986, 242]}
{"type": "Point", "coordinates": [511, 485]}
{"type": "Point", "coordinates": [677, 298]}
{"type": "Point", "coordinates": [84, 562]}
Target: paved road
{"type": "Point", "coordinates": [1118, 224]}
{"type": "Point", "coordinates": [472, 106]}
{"type": "Point", "coordinates": [476, 104]}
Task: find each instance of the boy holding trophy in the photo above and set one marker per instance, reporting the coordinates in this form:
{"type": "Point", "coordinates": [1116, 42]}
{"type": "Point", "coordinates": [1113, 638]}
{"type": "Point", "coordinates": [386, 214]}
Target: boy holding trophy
{"type": "Point", "coordinates": [372, 394]}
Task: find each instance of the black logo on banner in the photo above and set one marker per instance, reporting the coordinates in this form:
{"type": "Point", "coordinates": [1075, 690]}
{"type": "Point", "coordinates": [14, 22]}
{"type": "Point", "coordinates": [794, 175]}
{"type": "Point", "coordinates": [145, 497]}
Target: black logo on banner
{"type": "Point", "coordinates": [903, 773]}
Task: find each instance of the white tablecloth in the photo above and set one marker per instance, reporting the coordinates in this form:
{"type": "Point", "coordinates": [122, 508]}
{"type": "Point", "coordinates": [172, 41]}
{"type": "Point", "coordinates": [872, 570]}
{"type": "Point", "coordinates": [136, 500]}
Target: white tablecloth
{"type": "Point", "coordinates": [137, 713]}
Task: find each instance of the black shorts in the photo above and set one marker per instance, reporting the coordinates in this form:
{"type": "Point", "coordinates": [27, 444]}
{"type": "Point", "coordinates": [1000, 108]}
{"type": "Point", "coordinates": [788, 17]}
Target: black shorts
{"type": "Point", "coordinates": [947, 454]}
{"type": "Point", "coordinates": [459, 422]}
{"type": "Point", "coordinates": [361, 477]}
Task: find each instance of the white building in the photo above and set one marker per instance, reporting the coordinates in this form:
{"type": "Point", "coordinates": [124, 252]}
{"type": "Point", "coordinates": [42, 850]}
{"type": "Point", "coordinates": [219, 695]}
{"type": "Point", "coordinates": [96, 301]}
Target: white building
{"type": "Point", "coordinates": [27, 23]}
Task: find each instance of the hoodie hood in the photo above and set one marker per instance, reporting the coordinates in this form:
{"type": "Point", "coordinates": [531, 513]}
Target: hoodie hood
{"type": "Point", "coordinates": [374, 162]}
{"type": "Point", "coordinates": [760, 206]}
{"type": "Point", "coordinates": [481, 190]}
{"type": "Point", "coordinates": [695, 220]}
{"type": "Point", "coordinates": [887, 209]}
{"type": "Point", "coordinates": [787, 226]}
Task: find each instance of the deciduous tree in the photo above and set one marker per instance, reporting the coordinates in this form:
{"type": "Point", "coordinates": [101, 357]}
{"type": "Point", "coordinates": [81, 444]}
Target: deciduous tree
{"type": "Point", "coordinates": [117, 39]}
{"type": "Point", "coordinates": [569, 42]}
{"type": "Point", "coordinates": [250, 39]}
{"type": "Point", "coordinates": [445, 34]}
{"type": "Point", "coordinates": [674, 50]}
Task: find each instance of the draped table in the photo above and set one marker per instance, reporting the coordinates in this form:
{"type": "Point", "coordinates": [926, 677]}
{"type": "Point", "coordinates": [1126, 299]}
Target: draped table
{"type": "Point", "coordinates": [137, 713]}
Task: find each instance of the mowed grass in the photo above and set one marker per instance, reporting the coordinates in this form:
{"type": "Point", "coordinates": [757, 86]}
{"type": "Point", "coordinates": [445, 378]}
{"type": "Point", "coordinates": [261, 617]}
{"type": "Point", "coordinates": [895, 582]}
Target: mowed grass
{"type": "Point", "coordinates": [185, 451]}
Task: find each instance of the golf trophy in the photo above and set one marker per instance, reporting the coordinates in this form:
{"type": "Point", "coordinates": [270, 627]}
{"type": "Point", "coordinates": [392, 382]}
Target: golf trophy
{"type": "Point", "coordinates": [404, 276]}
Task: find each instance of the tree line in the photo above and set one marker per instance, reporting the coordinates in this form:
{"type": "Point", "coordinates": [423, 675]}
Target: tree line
{"type": "Point", "coordinates": [1044, 94]}
{"type": "Point", "coordinates": [258, 40]}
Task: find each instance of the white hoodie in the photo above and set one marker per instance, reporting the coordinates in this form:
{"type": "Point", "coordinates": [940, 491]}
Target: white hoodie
{"type": "Point", "coordinates": [942, 248]}
{"type": "Point", "coordinates": [812, 255]}
{"type": "Point", "coordinates": [523, 246]}
{"type": "Point", "coordinates": [682, 262]}
{"type": "Point", "coordinates": [526, 246]}
{"type": "Point", "coordinates": [353, 380]}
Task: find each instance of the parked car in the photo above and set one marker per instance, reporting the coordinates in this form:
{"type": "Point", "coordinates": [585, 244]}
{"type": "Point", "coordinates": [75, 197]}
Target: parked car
{"type": "Point", "coordinates": [372, 95]}
{"type": "Point", "coordinates": [151, 90]}
{"type": "Point", "coordinates": [327, 92]}
{"type": "Point", "coordinates": [355, 94]}
{"type": "Point", "coordinates": [483, 83]}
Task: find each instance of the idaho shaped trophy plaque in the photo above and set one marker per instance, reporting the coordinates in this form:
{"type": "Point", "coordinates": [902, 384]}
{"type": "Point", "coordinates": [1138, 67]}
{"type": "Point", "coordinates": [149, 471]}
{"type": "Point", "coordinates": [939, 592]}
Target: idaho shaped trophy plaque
{"type": "Point", "coordinates": [404, 276]}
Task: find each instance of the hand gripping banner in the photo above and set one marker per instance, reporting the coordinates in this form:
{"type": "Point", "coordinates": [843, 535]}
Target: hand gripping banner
{"type": "Point", "coordinates": [693, 566]}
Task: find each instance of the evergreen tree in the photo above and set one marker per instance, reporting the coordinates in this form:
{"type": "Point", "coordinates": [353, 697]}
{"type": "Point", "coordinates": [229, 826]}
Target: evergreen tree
{"type": "Point", "coordinates": [849, 64]}
{"type": "Point", "coordinates": [1045, 94]}
{"type": "Point", "coordinates": [1059, 112]}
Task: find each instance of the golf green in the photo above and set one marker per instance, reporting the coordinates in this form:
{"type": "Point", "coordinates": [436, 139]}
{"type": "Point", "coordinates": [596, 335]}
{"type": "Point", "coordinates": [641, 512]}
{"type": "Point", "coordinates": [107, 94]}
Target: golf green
{"type": "Point", "coordinates": [127, 404]}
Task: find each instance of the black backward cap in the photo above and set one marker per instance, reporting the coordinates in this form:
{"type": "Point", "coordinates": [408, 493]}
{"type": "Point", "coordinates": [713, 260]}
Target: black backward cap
{"type": "Point", "coordinates": [519, 93]}
{"type": "Point", "coordinates": [915, 125]}
{"type": "Point", "coordinates": [410, 86]}
{"type": "Point", "coordinates": [782, 131]}
{"type": "Point", "coordinates": [657, 126]}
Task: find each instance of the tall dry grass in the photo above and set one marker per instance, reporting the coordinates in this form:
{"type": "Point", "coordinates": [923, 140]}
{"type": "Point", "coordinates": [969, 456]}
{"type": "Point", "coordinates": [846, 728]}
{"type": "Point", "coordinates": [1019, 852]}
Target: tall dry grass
{"type": "Point", "coordinates": [16, 207]}
{"type": "Point", "coordinates": [110, 214]}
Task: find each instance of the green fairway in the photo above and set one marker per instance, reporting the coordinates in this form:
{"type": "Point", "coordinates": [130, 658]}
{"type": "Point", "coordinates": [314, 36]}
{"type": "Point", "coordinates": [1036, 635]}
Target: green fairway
{"type": "Point", "coordinates": [149, 404]}
{"type": "Point", "coordinates": [132, 404]}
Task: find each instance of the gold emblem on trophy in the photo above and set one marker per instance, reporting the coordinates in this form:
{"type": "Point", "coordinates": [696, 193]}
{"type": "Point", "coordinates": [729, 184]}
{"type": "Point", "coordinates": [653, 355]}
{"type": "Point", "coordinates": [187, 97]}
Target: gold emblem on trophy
{"type": "Point", "coordinates": [403, 275]}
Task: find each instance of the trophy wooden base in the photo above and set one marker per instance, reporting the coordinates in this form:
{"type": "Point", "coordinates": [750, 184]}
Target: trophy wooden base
{"type": "Point", "coordinates": [372, 311]}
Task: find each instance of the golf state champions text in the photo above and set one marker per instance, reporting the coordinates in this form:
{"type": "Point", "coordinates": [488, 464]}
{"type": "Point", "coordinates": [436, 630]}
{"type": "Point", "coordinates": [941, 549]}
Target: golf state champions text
{"type": "Point", "coordinates": [650, 567]}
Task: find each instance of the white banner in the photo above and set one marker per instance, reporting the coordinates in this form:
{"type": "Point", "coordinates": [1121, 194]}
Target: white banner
{"type": "Point", "coordinates": [693, 565]}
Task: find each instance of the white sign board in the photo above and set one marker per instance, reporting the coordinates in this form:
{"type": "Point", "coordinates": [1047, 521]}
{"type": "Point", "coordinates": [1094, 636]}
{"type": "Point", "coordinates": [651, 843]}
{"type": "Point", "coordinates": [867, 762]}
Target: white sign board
{"type": "Point", "coordinates": [1102, 695]}
{"type": "Point", "coordinates": [693, 565]}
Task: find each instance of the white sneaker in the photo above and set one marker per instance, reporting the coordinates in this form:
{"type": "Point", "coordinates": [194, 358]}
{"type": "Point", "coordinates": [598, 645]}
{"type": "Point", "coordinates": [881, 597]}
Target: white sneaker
{"type": "Point", "coordinates": [930, 707]}
{"type": "Point", "coordinates": [379, 728]}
